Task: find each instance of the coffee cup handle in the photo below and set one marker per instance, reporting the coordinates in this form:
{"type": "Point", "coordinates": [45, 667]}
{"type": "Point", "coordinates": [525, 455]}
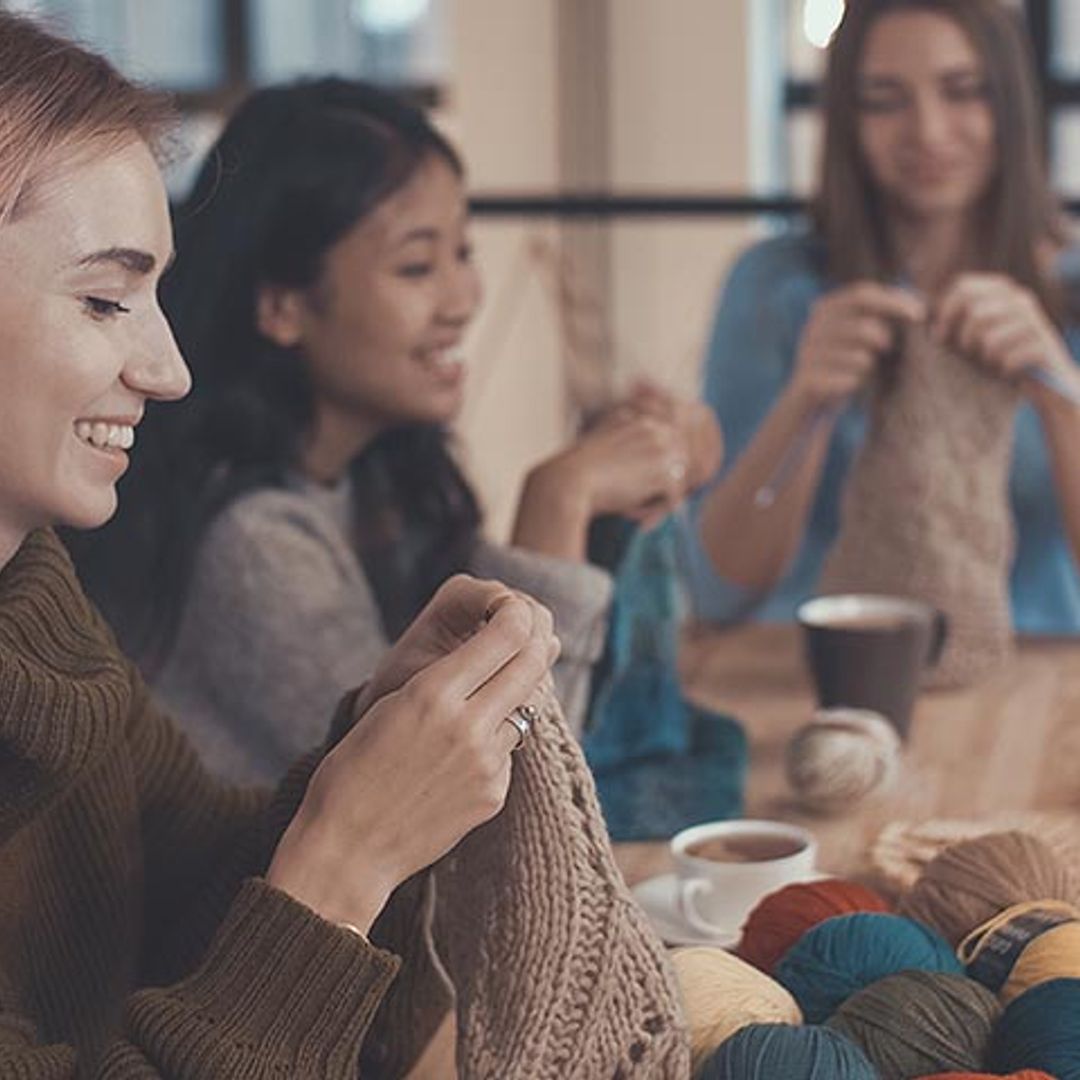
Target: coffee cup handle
{"type": "Point", "coordinates": [688, 891]}
{"type": "Point", "coordinates": [939, 635]}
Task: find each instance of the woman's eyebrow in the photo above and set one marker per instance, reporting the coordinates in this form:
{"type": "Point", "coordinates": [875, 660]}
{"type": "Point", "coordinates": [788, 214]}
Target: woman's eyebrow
{"type": "Point", "coordinates": [426, 232]}
{"type": "Point", "coordinates": [130, 259]}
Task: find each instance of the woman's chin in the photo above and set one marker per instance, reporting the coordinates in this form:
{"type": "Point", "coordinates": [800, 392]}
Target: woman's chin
{"type": "Point", "coordinates": [90, 512]}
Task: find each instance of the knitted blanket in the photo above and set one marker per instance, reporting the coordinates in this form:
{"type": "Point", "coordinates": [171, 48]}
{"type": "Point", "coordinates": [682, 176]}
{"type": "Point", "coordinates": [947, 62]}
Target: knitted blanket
{"type": "Point", "coordinates": [925, 511]}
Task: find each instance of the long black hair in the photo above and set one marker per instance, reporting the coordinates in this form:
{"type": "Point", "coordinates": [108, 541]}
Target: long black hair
{"type": "Point", "coordinates": [295, 169]}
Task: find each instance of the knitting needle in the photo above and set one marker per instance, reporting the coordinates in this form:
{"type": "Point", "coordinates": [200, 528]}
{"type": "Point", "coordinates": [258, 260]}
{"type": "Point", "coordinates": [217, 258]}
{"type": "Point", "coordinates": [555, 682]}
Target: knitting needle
{"type": "Point", "coordinates": [765, 495]}
{"type": "Point", "coordinates": [1054, 381]}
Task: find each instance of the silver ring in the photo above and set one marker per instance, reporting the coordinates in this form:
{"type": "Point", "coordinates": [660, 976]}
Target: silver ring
{"type": "Point", "coordinates": [523, 718]}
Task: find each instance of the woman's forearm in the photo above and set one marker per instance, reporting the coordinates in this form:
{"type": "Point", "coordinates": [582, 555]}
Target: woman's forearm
{"type": "Point", "coordinates": [553, 515]}
{"type": "Point", "coordinates": [1060, 420]}
{"type": "Point", "coordinates": [751, 543]}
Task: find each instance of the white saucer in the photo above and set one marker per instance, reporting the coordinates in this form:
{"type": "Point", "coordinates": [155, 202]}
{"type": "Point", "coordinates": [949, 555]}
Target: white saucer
{"type": "Point", "coordinates": [657, 899]}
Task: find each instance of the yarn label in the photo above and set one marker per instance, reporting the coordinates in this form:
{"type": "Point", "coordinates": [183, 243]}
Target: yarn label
{"type": "Point", "coordinates": [997, 951]}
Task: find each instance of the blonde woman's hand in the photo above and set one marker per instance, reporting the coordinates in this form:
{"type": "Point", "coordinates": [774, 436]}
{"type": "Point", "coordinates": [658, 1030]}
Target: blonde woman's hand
{"type": "Point", "coordinates": [1003, 326]}
{"type": "Point", "coordinates": [848, 329]}
{"type": "Point", "coordinates": [460, 606]}
{"type": "Point", "coordinates": [424, 765]}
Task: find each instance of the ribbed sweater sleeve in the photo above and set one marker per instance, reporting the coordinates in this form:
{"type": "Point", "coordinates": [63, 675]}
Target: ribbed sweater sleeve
{"type": "Point", "coordinates": [136, 941]}
{"type": "Point", "coordinates": [279, 993]}
{"type": "Point", "coordinates": [557, 973]}
{"type": "Point", "coordinates": [190, 886]}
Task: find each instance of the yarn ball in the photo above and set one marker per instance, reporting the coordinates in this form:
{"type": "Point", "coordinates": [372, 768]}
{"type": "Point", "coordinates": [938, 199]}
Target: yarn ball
{"type": "Point", "coordinates": [1040, 1030]}
{"type": "Point", "coordinates": [1054, 954]}
{"type": "Point", "coordinates": [1023, 1074]}
{"type": "Point", "coordinates": [920, 1021]}
{"type": "Point", "coordinates": [782, 917]}
{"type": "Point", "coordinates": [969, 883]}
{"type": "Point", "coordinates": [840, 757]}
{"type": "Point", "coordinates": [721, 994]}
{"type": "Point", "coordinates": [841, 955]}
{"type": "Point", "coordinates": [772, 1051]}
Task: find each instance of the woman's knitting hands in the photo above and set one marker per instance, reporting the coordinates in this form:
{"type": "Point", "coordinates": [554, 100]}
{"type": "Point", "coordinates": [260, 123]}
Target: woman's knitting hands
{"type": "Point", "coordinates": [428, 761]}
{"type": "Point", "coordinates": [848, 329]}
{"type": "Point", "coordinates": [695, 419]}
{"type": "Point", "coordinates": [459, 608]}
{"type": "Point", "coordinates": [628, 463]}
{"type": "Point", "coordinates": [1002, 325]}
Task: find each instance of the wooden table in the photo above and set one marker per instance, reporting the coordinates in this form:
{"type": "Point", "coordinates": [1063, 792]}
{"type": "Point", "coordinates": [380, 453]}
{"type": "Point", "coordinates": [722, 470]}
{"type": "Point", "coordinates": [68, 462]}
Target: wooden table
{"type": "Point", "coordinates": [1010, 743]}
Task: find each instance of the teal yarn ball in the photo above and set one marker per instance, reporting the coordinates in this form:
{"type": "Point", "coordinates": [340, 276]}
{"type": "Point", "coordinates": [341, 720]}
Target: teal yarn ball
{"type": "Point", "coordinates": [1040, 1030]}
{"type": "Point", "coordinates": [775, 1051]}
{"type": "Point", "coordinates": [920, 1022]}
{"type": "Point", "coordinates": [840, 956]}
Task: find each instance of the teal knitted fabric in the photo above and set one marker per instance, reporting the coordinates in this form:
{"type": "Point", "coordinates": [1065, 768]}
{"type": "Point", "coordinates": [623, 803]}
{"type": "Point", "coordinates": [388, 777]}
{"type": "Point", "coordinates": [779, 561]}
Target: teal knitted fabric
{"type": "Point", "coordinates": [660, 762]}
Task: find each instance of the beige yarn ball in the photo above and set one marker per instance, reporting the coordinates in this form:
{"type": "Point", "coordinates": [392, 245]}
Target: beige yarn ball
{"type": "Point", "coordinates": [840, 757]}
{"type": "Point", "coordinates": [721, 994]}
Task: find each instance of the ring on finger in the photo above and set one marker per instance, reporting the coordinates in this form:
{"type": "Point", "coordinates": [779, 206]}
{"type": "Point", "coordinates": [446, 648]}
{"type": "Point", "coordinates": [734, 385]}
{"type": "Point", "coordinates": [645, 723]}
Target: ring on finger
{"type": "Point", "coordinates": [677, 470]}
{"type": "Point", "coordinates": [522, 718]}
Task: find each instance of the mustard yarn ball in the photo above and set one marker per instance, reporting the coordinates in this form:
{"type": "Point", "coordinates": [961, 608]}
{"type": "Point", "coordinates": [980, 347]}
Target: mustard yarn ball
{"type": "Point", "coordinates": [722, 994]}
{"type": "Point", "coordinates": [1052, 955]}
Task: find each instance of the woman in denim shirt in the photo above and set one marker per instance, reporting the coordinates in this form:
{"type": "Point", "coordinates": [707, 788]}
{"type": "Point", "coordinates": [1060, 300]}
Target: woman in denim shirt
{"type": "Point", "coordinates": [934, 207]}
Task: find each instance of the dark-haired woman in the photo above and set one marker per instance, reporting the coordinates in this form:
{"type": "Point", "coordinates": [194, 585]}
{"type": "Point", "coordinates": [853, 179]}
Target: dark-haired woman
{"type": "Point", "coordinates": [287, 521]}
{"type": "Point", "coordinates": [934, 207]}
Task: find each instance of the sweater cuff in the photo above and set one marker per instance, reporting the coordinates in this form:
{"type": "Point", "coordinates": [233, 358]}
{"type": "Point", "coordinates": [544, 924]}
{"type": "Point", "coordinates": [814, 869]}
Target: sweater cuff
{"type": "Point", "coordinates": [280, 979]}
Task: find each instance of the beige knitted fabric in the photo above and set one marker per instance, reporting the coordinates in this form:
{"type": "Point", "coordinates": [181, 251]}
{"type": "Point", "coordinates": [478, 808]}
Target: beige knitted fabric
{"type": "Point", "coordinates": [925, 511]}
{"type": "Point", "coordinates": [557, 973]}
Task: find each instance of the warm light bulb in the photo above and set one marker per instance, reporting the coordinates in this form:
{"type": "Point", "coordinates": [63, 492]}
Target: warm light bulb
{"type": "Point", "coordinates": [388, 16]}
{"type": "Point", "coordinates": [820, 20]}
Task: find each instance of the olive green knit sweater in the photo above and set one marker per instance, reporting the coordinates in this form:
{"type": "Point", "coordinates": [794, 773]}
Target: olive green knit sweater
{"type": "Point", "coordinates": [136, 940]}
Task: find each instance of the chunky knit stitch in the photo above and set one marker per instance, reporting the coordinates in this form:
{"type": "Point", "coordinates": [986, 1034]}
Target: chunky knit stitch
{"type": "Point", "coordinates": [558, 973]}
{"type": "Point", "coordinates": [136, 942]}
{"type": "Point", "coordinates": [925, 511]}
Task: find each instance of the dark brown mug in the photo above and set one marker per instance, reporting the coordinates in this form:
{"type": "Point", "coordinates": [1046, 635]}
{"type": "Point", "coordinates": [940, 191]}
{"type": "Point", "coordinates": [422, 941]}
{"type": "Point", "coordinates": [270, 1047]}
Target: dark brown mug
{"type": "Point", "coordinates": [869, 652]}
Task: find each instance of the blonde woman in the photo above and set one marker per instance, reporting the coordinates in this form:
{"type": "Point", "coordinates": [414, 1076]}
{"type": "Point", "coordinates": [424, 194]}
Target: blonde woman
{"type": "Point", "coordinates": [157, 923]}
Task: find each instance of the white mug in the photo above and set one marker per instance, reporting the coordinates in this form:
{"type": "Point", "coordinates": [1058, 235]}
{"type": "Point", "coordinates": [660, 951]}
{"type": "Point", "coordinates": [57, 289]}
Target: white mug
{"type": "Point", "coordinates": [715, 894]}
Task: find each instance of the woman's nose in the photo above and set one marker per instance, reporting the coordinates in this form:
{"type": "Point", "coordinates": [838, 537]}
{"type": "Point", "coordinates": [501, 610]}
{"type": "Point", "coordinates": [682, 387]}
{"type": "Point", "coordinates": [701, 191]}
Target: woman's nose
{"type": "Point", "coordinates": [461, 293]}
{"type": "Point", "coordinates": [157, 370]}
{"type": "Point", "coordinates": [930, 120]}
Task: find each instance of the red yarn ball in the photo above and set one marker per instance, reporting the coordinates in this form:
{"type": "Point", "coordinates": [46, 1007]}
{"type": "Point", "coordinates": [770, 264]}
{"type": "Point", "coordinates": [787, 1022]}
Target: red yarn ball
{"type": "Point", "coordinates": [1023, 1074]}
{"type": "Point", "coordinates": [782, 917]}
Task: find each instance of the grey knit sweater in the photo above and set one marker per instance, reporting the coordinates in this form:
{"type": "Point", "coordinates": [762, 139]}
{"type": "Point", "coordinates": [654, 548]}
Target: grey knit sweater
{"type": "Point", "coordinates": [280, 621]}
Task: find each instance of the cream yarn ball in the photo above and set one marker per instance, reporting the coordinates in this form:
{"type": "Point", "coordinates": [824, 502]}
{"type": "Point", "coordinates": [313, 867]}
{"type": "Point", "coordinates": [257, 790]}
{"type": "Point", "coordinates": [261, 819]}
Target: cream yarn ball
{"type": "Point", "coordinates": [840, 757]}
{"type": "Point", "coordinates": [721, 994]}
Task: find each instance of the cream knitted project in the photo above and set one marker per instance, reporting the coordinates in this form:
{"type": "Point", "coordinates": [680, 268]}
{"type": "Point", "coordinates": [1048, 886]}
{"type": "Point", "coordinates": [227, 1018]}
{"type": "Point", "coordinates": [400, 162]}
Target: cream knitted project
{"type": "Point", "coordinates": [925, 511]}
{"type": "Point", "coordinates": [558, 976]}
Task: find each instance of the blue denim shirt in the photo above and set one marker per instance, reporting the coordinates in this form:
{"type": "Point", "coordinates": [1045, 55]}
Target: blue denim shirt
{"type": "Point", "coordinates": [755, 335]}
